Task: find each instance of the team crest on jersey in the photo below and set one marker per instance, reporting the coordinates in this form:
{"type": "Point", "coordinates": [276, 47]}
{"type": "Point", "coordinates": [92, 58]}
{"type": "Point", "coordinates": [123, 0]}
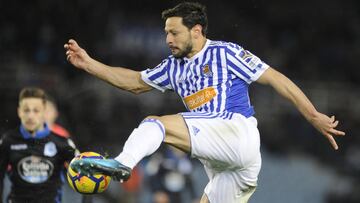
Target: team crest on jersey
{"type": "Point", "coordinates": [206, 71]}
{"type": "Point", "coordinates": [50, 149]}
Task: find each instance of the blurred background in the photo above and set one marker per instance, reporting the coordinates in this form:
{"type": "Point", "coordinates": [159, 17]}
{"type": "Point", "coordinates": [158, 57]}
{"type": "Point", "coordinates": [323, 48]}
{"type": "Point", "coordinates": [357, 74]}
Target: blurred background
{"type": "Point", "coordinates": [315, 43]}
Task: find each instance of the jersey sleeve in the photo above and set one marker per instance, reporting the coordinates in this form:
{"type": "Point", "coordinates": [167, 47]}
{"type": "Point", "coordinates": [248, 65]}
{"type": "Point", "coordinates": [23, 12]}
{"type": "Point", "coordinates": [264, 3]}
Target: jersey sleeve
{"type": "Point", "coordinates": [244, 64]}
{"type": "Point", "coordinates": [158, 77]}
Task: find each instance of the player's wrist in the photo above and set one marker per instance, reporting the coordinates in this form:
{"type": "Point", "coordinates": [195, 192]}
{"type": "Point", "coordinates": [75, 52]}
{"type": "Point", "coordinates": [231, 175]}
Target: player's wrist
{"type": "Point", "coordinates": [312, 115]}
{"type": "Point", "coordinates": [90, 65]}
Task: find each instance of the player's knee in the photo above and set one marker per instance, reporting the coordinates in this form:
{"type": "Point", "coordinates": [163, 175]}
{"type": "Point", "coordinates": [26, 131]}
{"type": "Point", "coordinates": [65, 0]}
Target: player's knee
{"type": "Point", "coordinates": [156, 120]}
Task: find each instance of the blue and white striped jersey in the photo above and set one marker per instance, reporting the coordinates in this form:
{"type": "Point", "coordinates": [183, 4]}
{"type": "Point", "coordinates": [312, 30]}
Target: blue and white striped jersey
{"type": "Point", "coordinates": [214, 80]}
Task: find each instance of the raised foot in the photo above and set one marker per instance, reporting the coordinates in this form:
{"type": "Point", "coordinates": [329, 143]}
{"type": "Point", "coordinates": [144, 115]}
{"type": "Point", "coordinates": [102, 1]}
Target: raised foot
{"type": "Point", "coordinates": [109, 167]}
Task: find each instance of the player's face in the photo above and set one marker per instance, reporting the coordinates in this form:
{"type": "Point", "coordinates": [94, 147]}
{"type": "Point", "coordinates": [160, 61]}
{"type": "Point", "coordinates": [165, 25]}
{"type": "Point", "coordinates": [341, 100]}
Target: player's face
{"type": "Point", "coordinates": [31, 113]}
{"type": "Point", "coordinates": [178, 37]}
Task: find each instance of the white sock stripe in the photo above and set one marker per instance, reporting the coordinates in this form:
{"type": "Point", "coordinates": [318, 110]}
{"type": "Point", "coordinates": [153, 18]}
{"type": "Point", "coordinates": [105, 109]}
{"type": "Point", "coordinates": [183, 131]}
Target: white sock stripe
{"type": "Point", "coordinates": [153, 120]}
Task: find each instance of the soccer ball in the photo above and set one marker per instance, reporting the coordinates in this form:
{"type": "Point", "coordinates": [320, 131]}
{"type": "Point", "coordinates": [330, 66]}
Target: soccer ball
{"type": "Point", "coordinates": [87, 184]}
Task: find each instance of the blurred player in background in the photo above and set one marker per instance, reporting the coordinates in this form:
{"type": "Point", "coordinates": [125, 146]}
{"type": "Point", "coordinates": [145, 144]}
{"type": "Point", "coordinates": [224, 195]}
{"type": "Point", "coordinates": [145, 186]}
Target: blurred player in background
{"type": "Point", "coordinates": [212, 78]}
{"type": "Point", "coordinates": [51, 116]}
{"type": "Point", "coordinates": [34, 155]}
{"type": "Point", "coordinates": [169, 176]}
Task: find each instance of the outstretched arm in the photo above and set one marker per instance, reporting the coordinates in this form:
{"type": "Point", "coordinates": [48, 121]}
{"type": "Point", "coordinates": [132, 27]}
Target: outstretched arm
{"type": "Point", "coordinates": [285, 87]}
{"type": "Point", "coordinates": [122, 78]}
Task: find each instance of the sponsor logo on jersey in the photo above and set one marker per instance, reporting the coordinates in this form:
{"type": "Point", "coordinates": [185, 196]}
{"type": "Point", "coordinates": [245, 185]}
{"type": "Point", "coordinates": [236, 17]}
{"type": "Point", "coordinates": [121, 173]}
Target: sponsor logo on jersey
{"type": "Point", "coordinates": [253, 63]}
{"type": "Point", "coordinates": [33, 169]}
{"type": "Point", "coordinates": [251, 60]}
{"type": "Point", "coordinates": [200, 98]}
{"type": "Point", "coordinates": [50, 149]}
{"type": "Point", "coordinates": [18, 146]}
{"type": "Point", "coordinates": [245, 54]}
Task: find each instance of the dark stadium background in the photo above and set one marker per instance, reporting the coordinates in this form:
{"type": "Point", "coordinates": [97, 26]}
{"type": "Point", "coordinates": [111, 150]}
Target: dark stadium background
{"type": "Point", "coordinates": [315, 43]}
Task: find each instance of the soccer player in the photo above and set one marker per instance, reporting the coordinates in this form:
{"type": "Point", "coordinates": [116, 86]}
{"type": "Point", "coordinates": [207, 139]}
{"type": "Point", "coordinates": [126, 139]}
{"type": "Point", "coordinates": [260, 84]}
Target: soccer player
{"type": "Point", "coordinates": [51, 115]}
{"type": "Point", "coordinates": [32, 154]}
{"type": "Point", "coordinates": [212, 78]}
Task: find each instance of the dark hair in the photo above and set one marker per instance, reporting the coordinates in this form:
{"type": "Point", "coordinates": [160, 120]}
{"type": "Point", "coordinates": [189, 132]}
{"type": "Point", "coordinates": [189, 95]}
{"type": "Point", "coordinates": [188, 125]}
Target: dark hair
{"type": "Point", "coordinates": [192, 13]}
{"type": "Point", "coordinates": [32, 92]}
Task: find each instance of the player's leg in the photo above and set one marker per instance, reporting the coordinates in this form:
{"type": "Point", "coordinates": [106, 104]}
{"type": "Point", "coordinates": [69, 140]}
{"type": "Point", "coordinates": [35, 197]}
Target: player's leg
{"type": "Point", "coordinates": [177, 133]}
{"type": "Point", "coordinates": [228, 186]}
{"type": "Point", "coordinates": [228, 147]}
{"type": "Point", "coordinates": [154, 130]}
{"type": "Point", "coordinates": [244, 199]}
{"type": "Point", "coordinates": [142, 142]}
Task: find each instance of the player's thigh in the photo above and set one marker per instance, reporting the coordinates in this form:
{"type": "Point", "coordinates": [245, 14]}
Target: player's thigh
{"type": "Point", "coordinates": [177, 133]}
{"type": "Point", "coordinates": [228, 186]}
{"type": "Point", "coordinates": [233, 143]}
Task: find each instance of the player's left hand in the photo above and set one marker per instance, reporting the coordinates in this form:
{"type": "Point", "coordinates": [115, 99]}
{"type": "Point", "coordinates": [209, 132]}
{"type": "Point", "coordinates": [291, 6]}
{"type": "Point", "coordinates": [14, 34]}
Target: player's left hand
{"type": "Point", "coordinates": [327, 126]}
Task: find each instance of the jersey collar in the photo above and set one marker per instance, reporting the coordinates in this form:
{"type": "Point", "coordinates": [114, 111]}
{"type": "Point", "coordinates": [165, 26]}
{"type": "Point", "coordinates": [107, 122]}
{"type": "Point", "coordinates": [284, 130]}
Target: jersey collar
{"type": "Point", "coordinates": [38, 135]}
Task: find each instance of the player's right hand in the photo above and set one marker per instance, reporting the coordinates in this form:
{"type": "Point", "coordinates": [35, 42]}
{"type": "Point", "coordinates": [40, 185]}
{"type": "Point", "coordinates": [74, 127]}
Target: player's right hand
{"type": "Point", "coordinates": [76, 55]}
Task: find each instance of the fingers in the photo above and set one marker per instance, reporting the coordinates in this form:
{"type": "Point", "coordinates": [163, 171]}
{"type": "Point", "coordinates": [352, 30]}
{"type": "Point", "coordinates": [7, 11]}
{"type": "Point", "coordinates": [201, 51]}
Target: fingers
{"type": "Point", "coordinates": [328, 125]}
{"type": "Point", "coordinates": [68, 53]}
{"type": "Point", "coordinates": [334, 124]}
{"type": "Point", "coordinates": [71, 48]}
{"type": "Point", "coordinates": [336, 132]}
{"type": "Point", "coordinates": [72, 41]}
{"type": "Point", "coordinates": [332, 141]}
{"type": "Point", "coordinates": [333, 132]}
{"type": "Point", "coordinates": [71, 44]}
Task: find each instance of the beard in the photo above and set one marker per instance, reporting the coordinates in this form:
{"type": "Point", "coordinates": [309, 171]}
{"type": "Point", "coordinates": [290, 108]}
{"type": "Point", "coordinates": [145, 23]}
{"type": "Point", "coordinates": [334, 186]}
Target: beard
{"type": "Point", "coordinates": [184, 52]}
